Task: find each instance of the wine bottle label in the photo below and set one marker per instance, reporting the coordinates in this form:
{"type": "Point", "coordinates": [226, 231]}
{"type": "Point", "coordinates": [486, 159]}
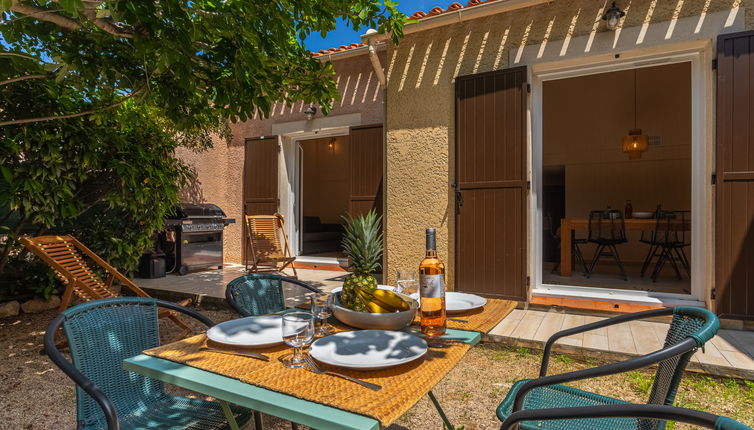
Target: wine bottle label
{"type": "Point", "coordinates": [432, 286]}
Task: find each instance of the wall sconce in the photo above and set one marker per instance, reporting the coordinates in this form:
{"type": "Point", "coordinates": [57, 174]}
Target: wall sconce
{"type": "Point", "coordinates": [613, 16]}
{"type": "Point", "coordinates": [310, 112]}
{"type": "Point", "coordinates": [331, 145]}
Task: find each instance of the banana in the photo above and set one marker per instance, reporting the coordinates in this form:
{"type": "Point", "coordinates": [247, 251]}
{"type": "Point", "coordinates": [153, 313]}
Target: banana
{"type": "Point", "coordinates": [370, 304]}
{"type": "Point", "coordinates": [389, 300]}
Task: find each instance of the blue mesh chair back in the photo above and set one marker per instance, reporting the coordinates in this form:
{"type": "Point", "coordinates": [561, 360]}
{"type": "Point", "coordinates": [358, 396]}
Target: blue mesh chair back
{"type": "Point", "coordinates": [688, 322]}
{"type": "Point", "coordinates": [101, 337]}
{"type": "Point", "coordinates": [260, 293]}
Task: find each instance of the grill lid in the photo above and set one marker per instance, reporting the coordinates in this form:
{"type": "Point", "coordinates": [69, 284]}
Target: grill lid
{"type": "Point", "coordinates": [193, 210]}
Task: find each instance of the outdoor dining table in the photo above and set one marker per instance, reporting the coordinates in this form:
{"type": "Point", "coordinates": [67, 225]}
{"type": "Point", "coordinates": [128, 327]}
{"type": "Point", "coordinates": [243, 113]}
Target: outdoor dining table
{"type": "Point", "coordinates": [300, 396]}
{"type": "Point", "coordinates": [568, 226]}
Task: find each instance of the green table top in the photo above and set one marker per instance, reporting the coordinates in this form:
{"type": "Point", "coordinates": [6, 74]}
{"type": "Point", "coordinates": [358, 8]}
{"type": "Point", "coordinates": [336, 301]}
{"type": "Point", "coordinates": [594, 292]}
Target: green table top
{"type": "Point", "coordinates": [311, 414]}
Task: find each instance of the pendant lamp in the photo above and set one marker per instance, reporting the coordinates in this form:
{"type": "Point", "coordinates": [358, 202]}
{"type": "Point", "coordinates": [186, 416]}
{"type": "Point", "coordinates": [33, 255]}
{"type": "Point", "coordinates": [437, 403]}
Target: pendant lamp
{"type": "Point", "coordinates": [635, 143]}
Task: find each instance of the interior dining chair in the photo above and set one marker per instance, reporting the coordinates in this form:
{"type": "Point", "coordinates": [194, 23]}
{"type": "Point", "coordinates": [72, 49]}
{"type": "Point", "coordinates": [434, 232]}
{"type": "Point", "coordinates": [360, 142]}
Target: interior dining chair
{"type": "Point", "coordinates": [263, 293]}
{"type": "Point", "coordinates": [689, 330]}
{"type": "Point", "coordinates": [669, 243]}
{"type": "Point", "coordinates": [640, 414]}
{"type": "Point", "coordinates": [576, 253]}
{"type": "Point", "coordinates": [607, 230]}
{"type": "Point", "coordinates": [101, 334]}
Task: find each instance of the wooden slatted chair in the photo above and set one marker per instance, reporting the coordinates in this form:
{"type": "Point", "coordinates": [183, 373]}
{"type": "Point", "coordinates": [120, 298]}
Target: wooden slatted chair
{"type": "Point", "coordinates": [69, 259]}
{"type": "Point", "coordinates": [267, 252]}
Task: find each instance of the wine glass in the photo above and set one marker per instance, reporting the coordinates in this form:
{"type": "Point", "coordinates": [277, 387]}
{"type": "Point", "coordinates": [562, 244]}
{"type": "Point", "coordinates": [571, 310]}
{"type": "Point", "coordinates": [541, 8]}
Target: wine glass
{"type": "Point", "coordinates": [321, 310]}
{"type": "Point", "coordinates": [298, 331]}
{"type": "Point", "coordinates": [406, 281]}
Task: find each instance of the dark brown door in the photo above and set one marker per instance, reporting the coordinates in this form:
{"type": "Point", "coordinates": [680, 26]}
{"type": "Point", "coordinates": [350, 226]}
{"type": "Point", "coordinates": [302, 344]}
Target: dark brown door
{"type": "Point", "coordinates": [260, 187]}
{"type": "Point", "coordinates": [261, 176]}
{"type": "Point", "coordinates": [734, 214]}
{"type": "Point", "coordinates": [491, 187]}
{"type": "Point", "coordinates": [366, 154]}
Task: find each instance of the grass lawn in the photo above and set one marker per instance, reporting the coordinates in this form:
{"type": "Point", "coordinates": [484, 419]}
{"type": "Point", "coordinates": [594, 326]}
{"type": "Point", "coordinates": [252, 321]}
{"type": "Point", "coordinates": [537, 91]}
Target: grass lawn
{"type": "Point", "coordinates": [36, 395]}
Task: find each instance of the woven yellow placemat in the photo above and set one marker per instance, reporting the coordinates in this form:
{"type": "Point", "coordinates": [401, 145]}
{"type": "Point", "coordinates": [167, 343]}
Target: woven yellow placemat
{"type": "Point", "coordinates": [402, 386]}
{"type": "Point", "coordinates": [483, 319]}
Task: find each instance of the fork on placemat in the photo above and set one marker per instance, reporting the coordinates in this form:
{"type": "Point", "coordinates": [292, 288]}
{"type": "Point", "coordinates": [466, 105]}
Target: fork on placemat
{"type": "Point", "coordinates": [316, 369]}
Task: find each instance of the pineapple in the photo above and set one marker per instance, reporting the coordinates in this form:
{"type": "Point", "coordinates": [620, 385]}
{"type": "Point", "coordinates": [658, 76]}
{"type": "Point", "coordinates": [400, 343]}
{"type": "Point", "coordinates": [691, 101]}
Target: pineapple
{"type": "Point", "coordinates": [362, 243]}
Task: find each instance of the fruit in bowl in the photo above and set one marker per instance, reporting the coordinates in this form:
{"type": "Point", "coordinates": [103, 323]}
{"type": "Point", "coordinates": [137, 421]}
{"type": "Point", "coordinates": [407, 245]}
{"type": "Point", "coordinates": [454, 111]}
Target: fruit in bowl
{"type": "Point", "coordinates": [362, 243]}
{"type": "Point", "coordinates": [377, 320]}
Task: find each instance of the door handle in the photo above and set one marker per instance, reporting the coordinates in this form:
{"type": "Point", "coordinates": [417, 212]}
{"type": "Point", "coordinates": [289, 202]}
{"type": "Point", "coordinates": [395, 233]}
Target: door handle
{"type": "Point", "coordinates": [459, 198]}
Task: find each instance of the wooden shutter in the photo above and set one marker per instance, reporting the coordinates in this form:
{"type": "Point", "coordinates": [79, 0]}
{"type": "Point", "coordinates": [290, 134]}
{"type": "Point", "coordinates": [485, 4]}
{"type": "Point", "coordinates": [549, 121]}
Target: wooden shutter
{"type": "Point", "coordinates": [261, 176]}
{"type": "Point", "coordinates": [491, 187]}
{"type": "Point", "coordinates": [366, 153]}
{"type": "Point", "coordinates": [734, 192]}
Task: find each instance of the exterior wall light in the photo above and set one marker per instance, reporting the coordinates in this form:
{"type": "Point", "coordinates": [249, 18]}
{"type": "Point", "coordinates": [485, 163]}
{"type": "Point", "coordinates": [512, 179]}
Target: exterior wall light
{"type": "Point", "coordinates": [310, 112]}
{"type": "Point", "coordinates": [613, 16]}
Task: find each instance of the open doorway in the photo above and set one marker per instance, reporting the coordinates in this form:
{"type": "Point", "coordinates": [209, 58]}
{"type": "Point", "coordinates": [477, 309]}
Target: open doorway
{"type": "Point", "coordinates": [615, 219]}
{"type": "Point", "coordinates": [325, 190]}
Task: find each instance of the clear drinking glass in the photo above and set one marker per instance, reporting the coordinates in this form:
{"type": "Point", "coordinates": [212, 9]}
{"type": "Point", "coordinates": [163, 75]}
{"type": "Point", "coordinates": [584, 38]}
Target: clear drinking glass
{"type": "Point", "coordinates": [321, 310]}
{"type": "Point", "coordinates": [407, 283]}
{"type": "Point", "coordinates": [298, 332]}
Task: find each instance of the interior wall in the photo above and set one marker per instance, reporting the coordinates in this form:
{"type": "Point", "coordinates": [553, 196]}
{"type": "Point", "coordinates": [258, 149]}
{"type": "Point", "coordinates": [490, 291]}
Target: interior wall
{"type": "Point", "coordinates": [325, 178]}
{"type": "Point", "coordinates": [584, 121]}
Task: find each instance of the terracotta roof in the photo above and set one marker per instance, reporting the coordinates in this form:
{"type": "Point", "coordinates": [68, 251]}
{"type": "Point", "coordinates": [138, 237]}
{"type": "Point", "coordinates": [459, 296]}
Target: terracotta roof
{"type": "Point", "coordinates": [418, 15]}
{"type": "Point", "coordinates": [338, 49]}
{"type": "Point", "coordinates": [437, 10]}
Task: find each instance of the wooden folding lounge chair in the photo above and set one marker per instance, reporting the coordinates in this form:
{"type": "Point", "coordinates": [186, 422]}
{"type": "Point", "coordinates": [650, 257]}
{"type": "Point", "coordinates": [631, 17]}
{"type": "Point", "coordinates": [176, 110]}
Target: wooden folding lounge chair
{"type": "Point", "coordinates": [267, 252]}
{"type": "Point", "coordinates": [69, 259]}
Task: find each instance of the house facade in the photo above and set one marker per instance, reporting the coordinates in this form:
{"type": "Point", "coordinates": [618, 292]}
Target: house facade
{"type": "Point", "coordinates": [504, 128]}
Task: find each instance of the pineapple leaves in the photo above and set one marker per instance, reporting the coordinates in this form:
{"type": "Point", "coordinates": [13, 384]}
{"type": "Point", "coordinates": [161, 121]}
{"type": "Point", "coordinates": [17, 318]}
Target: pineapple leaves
{"type": "Point", "coordinates": [362, 241]}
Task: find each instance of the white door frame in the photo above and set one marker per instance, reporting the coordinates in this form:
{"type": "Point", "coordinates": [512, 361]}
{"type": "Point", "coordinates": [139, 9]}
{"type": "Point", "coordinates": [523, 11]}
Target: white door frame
{"type": "Point", "coordinates": [699, 54]}
{"type": "Point", "coordinates": [290, 180]}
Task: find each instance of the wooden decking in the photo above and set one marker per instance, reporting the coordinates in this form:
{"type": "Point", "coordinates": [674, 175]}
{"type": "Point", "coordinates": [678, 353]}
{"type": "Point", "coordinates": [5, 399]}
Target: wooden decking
{"type": "Point", "coordinates": [730, 353]}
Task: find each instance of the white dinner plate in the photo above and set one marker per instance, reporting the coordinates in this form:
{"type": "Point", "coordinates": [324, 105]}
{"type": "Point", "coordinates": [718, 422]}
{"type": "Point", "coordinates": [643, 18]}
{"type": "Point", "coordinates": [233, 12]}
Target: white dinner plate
{"type": "Point", "coordinates": [456, 303]}
{"type": "Point", "coordinates": [368, 349]}
{"type": "Point", "coordinates": [258, 331]}
{"type": "Point", "coordinates": [643, 215]}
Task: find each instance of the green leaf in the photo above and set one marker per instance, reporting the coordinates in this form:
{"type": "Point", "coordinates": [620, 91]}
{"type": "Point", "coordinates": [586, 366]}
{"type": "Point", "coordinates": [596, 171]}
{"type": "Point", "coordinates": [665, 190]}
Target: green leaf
{"type": "Point", "coordinates": [7, 175]}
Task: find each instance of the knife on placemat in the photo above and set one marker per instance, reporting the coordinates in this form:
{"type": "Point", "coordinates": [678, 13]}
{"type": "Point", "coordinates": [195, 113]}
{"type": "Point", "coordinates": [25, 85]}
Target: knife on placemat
{"type": "Point", "coordinates": [250, 354]}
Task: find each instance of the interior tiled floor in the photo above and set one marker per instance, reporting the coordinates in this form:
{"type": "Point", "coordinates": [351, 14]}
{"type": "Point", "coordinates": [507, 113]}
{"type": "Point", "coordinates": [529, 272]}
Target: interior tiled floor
{"type": "Point", "coordinates": [731, 352]}
{"type": "Point", "coordinates": [606, 275]}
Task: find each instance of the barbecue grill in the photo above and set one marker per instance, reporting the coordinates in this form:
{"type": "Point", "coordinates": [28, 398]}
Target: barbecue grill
{"type": "Point", "coordinates": [197, 233]}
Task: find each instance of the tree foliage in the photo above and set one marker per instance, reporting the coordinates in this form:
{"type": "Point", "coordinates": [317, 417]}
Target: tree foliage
{"type": "Point", "coordinates": [195, 61]}
{"type": "Point", "coordinates": [109, 179]}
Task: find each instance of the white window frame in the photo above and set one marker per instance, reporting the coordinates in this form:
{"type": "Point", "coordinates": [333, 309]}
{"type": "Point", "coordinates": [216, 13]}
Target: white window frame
{"type": "Point", "coordinates": [699, 54]}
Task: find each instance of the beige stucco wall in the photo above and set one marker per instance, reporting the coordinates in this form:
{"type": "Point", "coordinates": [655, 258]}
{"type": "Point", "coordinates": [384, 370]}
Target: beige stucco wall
{"type": "Point", "coordinates": [420, 110]}
{"type": "Point", "coordinates": [219, 170]}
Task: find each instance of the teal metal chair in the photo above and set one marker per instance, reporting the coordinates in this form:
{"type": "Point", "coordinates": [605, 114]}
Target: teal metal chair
{"type": "Point", "coordinates": [646, 412]}
{"type": "Point", "coordinates": [101, 334]}
{"type": "Point", "coordinates": [689, 330]}
{"type": "Point", "coordinates": [261, 293]}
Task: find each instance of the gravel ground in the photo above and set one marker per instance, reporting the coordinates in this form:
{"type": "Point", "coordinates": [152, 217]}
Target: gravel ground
{"type": "Point", "coordinates": [36, 395]}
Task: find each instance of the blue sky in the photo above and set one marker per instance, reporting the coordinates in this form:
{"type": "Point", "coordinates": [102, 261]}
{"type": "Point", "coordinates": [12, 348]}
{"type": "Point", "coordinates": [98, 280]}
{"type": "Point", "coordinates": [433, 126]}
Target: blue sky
{"type": "Point", "coordinates": [345, 35]}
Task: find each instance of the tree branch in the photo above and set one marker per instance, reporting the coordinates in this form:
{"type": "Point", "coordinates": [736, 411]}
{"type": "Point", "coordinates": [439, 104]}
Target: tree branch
{"type": "Point", "coordinates": [44, 15]}
{"type": "Point", "coordinates": [72, 115]}
{"type": "Point", "coordinates": [16, 54]}
{"type": "Point", "coordinates": [106, 25]}
{"type": "Point", "coordinates": [21, 78]}
{"type": "Point", "coordinates": [70, 24]}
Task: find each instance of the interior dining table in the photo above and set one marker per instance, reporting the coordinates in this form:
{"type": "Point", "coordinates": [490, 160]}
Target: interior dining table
{"type": "Point", "coordinates": [568, 227]}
